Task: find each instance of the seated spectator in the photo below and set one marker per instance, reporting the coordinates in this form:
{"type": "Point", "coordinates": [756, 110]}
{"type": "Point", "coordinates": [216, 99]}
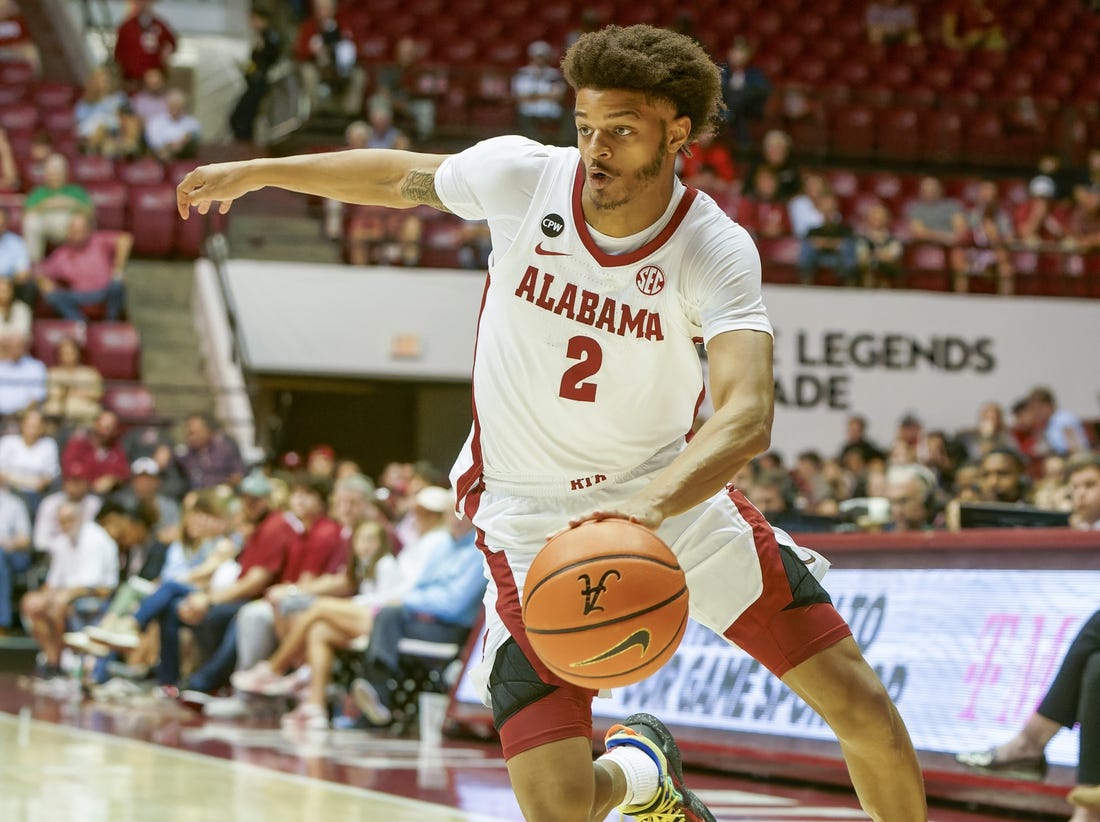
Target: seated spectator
{"type": "Point", "coordinates": [15, 315]}
{"type": "Point", "coordinates": [174, 134]}
{"type": "Point", "coordinates": [477, 245]}
{"type": "Point", "coordinates": [1003, 476]}
{"type": "Point", "coordinates": [154, 441]}
{"type": "Point", "coordinates": [745, 91]}
{"type": "Point", "coordinates": [441, 607]}
{"type": "Point", "coordinates": [84, 567]}
{"type": "Point", "coordinates": [1039, 220]}
{"type": "Point", "coordinates": [911, 489]}
{"type": "Point", "coordinates": [890, 22]}
{"type": "Point", "coordinates": [98, 450]}
{"type": "Point", "coordinates": [326, 54]}
{"type": "Point", "coordinates": [22, 377]}
{"type": "Point", "coordinates": [76, 487]}
{"type": "Point", "coordinates": [74, 388]}
{"type": "Point", "coordinates": [408, 88]}
{"type": "Point", "coordinates": [991, 432]}
{"type": "Point", "coordinates": [805, 208]}
{"type": "Point", "coordinates": [934, 218]}
{"type": "Point", "coordinates": [143, 41]}
{"type": "Point", "coordinates": [86, 270]}
{"type": "Point", "coordinates": [762, 212]}
{"type": "Point", "coordinates": [778, 160]}
{"type": "Point", "coordinates": [15, 261]}
{"type": "Point", "coordinates": [878, 249]}
{"type": "Point", "coordinates": [1083, 230]}
{"type": "Point", "coordinates": [1068, 702]}
{"type": "Point", "coordinates": [1062, 430]}
{"type": "Point", "coordinates": [971, 24]}
{"type": "Point", "coordinates": [50, 207]}
{"type": "Point", "coordinates": [832, 244]}
{"type": "Point", "coordinates": [151, 99]}
{"type": "Point", "coordinates": [15, 555]}
{"type": "Point", "coordinates": [267, 50]}
{"type": "Point", "coordinates": [539, 92]}
{"type": "Point", "coordinates": [990, 230]}
{"type": "Point", "coordinates": [9, 172]}
{"type": "Point", "coordinates": [383, 133]}
{"type": "Point", "coordinates": [209, 456]}
{"type": "Point", "coordinates": [29, 461]}
{"type": "Point", "coordinates": [1083, 473]}
{"type": "Point", "coordinates": [105, 124]}
{"type": "Point", "coordinates": [143, 491]}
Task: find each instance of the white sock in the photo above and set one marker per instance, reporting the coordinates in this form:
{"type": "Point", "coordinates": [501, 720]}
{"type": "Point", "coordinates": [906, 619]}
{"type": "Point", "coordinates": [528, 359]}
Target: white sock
{"type": "Point", "coordinates": [640, 772]}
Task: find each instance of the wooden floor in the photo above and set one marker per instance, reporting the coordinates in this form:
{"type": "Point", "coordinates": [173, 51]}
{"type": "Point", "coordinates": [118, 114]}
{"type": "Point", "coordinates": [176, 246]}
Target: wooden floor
{"type": "Point", "coordinates": [147, 761]}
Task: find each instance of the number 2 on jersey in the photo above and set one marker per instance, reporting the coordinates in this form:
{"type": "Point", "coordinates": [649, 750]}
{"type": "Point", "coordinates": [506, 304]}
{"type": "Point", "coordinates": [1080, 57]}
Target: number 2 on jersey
{"type": "Point", "coordinates": [573, 385]}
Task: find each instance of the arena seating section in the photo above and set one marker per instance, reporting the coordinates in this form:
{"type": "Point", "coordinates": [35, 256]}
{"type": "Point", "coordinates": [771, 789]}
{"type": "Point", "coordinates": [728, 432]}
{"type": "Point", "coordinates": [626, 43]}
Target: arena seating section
{"type": "Point", "coordinates": [872, 119]}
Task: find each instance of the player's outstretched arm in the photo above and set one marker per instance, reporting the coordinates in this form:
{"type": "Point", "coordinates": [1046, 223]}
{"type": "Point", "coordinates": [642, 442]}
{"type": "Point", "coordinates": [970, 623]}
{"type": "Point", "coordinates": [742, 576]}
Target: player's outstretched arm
{"type": "Point", "coordinates": [398, 179]}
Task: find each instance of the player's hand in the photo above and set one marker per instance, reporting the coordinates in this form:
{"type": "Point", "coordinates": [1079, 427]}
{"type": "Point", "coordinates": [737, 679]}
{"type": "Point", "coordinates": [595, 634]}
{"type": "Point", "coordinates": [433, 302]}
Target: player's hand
{"type": "Point", "coordinates": [632, 510]}
{"type": "Point", "coordinates": [220, 183]}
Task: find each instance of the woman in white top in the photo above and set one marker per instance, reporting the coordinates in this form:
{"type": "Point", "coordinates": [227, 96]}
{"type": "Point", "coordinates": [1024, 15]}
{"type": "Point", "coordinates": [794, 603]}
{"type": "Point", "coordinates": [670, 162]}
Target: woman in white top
{"type": "Point", "coordinates": [15, 316]}
{"type": "Point", "coordinates": [74, 388]}
{"type": "Point", "coordinates": [29, 460]}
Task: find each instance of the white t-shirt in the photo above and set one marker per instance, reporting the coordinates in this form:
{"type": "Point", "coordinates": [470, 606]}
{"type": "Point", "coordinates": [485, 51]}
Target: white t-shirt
{"type": "Point", "coordinates": [23, 465]}
{"type": "Point", "coordinates": [586, 365]}
{"type": "Point", "coordinates": [90, 562]}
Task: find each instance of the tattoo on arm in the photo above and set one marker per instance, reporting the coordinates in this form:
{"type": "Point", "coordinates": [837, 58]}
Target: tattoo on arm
{"type": "Point", "coordinates": [419, 187]}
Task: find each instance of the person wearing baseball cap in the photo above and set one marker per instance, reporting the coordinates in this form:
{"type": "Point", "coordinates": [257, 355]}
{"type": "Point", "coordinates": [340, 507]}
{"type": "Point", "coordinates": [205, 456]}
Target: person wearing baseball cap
{"type": "Point", "coordinates": [144, 488]}
{"type": "Point", "coordinates": [76, 486]}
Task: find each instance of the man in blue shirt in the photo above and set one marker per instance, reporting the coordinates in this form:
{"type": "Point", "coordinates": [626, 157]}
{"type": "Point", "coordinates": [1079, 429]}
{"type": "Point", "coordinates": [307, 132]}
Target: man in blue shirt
{"type": "Point", "coordinates": [441, 607]}
{"type": "Point", "coordinates": [15, 260]}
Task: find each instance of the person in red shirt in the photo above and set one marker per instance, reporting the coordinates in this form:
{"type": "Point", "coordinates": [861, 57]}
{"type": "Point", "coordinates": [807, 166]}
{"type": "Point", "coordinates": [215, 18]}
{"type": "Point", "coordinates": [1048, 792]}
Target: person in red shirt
{"type": "Point", "coordinates": [98, 449]}
{"type": "Point", "coordinates": [1040, 220]}
{"type": "Point", "coordinates": [86, 270]}
{"type": "Point", "coordinates": [327, 58]}
{"type": "Point", "coordinates": [144, 42]}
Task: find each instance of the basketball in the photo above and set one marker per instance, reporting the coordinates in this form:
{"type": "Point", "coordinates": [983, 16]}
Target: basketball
{"type": "Point", "coordinates": [605, 604]}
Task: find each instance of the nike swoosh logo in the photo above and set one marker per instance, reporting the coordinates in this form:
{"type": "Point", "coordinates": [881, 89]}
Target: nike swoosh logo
{"type": "Point", "coordinates": [540, 250]}
{"type": "Point", "coordinates": [640, 637]}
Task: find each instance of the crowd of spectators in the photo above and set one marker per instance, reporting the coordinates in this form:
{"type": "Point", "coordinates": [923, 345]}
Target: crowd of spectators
{"type": "Point", "coordinates": [256, 578]}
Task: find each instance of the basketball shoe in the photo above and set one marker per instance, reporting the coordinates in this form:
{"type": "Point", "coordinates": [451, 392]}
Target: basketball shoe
{"type": "Point", "coordinates": [674, 802]}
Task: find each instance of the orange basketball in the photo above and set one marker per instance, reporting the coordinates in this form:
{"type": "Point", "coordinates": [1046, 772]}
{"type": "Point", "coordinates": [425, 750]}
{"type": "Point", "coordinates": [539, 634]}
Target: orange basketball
{"type": "Point", "coordinates": [605, 604]}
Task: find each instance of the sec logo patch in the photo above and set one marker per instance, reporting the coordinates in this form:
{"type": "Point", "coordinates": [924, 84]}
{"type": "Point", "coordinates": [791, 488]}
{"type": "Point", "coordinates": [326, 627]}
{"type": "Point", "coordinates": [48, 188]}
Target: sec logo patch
{"type": "Point", "coordinates": [650, 280]}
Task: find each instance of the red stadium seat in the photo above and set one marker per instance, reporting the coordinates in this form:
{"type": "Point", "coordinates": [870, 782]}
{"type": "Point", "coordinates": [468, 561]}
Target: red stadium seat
{"type": "Point", "coordinates": [899, 135]}
{"type": "Point", "coordinates": [19, 117]}
{"type": "Point", "coordinates": [110, 199]}
{"type": "Point", "coordinates": [10, 95]}
{"type": "Point", "coordinates": [132, 403]}
{"type": "Point", "coordinates": [114, 348]}
{"type": "Point", "coordinates": [885, 186]}
{"type": "Point", "coordinates": [153, 219]}
{"type": "Point", "coordinates": [926, 267]}
{"type": "Point", "coordinates": [780, 258]}
{"type": "Point", "coordinates": [46, 333]}
{"type": "Point", "coordinates": [92, 168]}
{"type": "Point", "coordinates": [852, 131]}
{"type": "Point", "coordinates": [941, 136]}
{"type": "Point", "coordinates": [16, 73]}
{"type": "Point", "coordinates": [55, 95]}
{"type": "Point", "coordinates": [143, 172]}
{"type": "Point", "coordinates": [983, 139]}
{"type": "Point", "coordinates": [58, 120]}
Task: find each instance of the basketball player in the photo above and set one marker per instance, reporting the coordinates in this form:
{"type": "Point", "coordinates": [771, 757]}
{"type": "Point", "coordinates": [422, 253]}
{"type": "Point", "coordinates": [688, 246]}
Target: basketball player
{"type": "Point", "coordinates": [605, 270]}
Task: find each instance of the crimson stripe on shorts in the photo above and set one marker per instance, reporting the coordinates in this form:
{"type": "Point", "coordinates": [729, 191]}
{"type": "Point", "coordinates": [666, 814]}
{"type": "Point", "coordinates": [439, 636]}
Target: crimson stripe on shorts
{"type": "Point", "coordinates": [777, 590]}
{"type": "Point", "coordinates": [471, 476]}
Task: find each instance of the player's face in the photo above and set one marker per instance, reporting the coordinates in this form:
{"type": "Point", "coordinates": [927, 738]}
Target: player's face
{"type": "Point", "coordinates": [627, 144]}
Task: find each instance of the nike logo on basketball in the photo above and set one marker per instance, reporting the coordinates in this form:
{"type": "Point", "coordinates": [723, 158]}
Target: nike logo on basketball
{"type": "Point", "coordinates": [540, 250]}
{"type": "Point", "coordinates": [639, 637]}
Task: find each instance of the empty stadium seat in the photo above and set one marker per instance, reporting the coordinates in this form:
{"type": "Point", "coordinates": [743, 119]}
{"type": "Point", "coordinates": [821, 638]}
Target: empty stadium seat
{"type": "Point", "coordinates": [109, 198]}
{"type": "Point", "coordinates": [779, 256]}
{"type": "Point", "coordinates": [19, 117]}
{"type": "Point", "coordinates": [55, 95]}
{"type": "Point", "coordinates": [926, 267]}
{"type": "Point", "coordinates": [899, 135]}
{"type": "Point", "coordinates": [58, 120]}
{"type": "Point", "coordinates": [114, 348]}
{"type": "Point", "coordinates": [941, 136]}
{"type": "Point", "coordinates": [852, 130]}
{"type": "Point", "coordinates": [142, 172]}
{"type": "Point", "coordinates": [132, 403]}
{"type": "Point", "coordinates": [153, 219]}
{"type": "Point", "coordinates": [92, 168]}
{"type": "Point", "coordinates": [16, 73]}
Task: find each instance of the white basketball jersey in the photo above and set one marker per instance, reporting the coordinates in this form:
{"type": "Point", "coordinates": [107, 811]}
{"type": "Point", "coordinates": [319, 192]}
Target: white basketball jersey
{"type": "Point", "coordinates": [585, 364]}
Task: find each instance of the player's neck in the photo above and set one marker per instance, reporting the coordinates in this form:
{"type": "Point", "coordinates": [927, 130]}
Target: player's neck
{"type": "Point", "coordinates": [638, 214]}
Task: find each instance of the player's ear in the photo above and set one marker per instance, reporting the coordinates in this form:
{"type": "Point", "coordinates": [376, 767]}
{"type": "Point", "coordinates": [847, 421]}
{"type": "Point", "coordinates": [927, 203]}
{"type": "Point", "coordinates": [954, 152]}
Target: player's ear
{"type": "Point", "coordinates": [678, 132]}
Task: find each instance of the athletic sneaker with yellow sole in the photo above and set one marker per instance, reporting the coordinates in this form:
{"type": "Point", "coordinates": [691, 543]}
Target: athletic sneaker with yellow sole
{"type": "Point", "coordinates": [674, 802]}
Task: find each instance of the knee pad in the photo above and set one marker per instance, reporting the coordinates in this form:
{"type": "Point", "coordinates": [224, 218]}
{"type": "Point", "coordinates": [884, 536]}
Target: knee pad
{"type": "Point", "coordinates": [513, 683]}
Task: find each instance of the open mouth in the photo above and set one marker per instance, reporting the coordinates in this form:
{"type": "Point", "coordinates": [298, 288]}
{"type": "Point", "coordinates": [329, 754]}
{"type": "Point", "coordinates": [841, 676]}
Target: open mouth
{"type": "Point", "coordinates": [599, 177]}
